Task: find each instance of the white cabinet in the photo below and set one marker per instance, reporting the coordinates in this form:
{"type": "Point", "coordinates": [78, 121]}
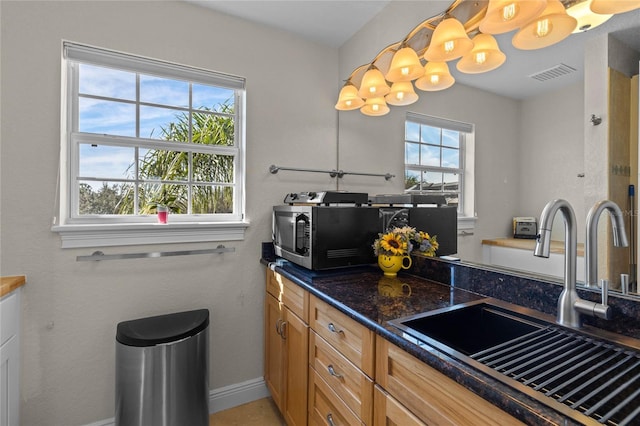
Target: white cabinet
{"type": "Point", "coordinates": [10, 359]}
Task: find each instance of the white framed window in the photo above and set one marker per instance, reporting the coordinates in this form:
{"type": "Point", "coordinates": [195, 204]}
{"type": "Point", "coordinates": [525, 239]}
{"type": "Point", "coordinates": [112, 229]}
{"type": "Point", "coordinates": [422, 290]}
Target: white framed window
{"type": "Point", "coordinates": [439, 160]}
{"type": "Point", "coordinates": [139, 134]}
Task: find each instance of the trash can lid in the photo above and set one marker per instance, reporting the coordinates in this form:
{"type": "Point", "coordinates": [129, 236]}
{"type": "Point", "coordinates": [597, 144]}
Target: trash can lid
{"type": "Point", "coordinates": [162, 328]}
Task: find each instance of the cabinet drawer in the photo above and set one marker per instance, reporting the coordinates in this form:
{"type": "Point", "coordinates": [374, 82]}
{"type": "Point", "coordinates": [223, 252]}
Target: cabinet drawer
{"type": "Point", "coordinates": [292, 295]}
{"type": "Point", "coordinates": [9, 316]}
{"type": "Point", "coordinates": [325, 406]}
{"type": "Point", "coordinates": [350, 384]}
{"type": "Point", "coordinates": [350, 338]}
{"type": "Point", "coordinates": [388, 411]}
{"type": "Point", "coordinates": [432, 396]}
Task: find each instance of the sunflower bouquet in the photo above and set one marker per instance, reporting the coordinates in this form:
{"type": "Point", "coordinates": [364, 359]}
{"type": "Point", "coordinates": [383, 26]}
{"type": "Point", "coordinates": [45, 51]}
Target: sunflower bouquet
{"type": "Point", "coordinates": [402, 241]}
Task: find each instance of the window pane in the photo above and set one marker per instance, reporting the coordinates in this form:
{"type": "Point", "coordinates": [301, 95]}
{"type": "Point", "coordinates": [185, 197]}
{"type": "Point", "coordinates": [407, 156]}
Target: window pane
{"type": "Point", "coordinates": [451, 138]}
{"type": "Point", "coordinates": [107, 82]}
{"type": "Point", "coordinates": [429, 155]}
{"type": "Point", "coordinates": [432, 181]}
{"type": "Point", "coordinates": [174, 196]}
{"type": "Point", "coordinates": [106, 117]}
{"type": "Point", "coordinates": [103, 161]}
{"type": "Point", "coordinates": [164, 91]}
{"type": "Point", "coordinates": [451, 182]}
{"type": "Point", "coordinates": [158, 164]}
{"type": "Point", "coordinates": [450, 158]}
{"type": "Point", "coordinates": [212, 199]}
{"type": "Point", "coordinates": [213, 98]}
{"type": "Point", "coordinates": [412, 131]}
{"type": "Point", "coordinates": [103, 198]}
{"type": "Point", "coordinates": [213, 168]}
{"type": "Point", "coordinates": [213, 129]}
{"type": "Point", "coordinates": [164, 123]}
{"type": "Point", "coordinates": [412, 180]}
{"type": "Point", "coordinates": [430, 134]}
{"type": "Point", "coordinates": [411, 153]}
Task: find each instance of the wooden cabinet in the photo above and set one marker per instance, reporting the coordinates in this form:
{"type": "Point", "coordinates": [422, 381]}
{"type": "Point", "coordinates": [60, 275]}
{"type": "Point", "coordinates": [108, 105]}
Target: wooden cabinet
{"type": "Point", "coordinates": [341, 367]}
{"type": "Point", "coordinates": [10, 359]}
{"type": "Point", "coordinates": [430, 395]}
{"type": "Point", "coordinates": [286, 347]}
{"type": "Point", "coordinates": [389, 412]}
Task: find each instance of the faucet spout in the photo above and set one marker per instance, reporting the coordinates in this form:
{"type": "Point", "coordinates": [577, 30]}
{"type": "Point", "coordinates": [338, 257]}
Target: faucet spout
{"type": "Point", "coordinates": [591, 244]}
{"type": "Point", "coordinates": [567, 314]}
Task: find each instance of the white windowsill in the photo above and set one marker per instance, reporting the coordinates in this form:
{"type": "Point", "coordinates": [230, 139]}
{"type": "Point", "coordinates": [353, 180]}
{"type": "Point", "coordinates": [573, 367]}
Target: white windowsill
{"type": "Point", "coordinates": [76, 236]}
{"type": "Point", "coordinates": [466, 223]}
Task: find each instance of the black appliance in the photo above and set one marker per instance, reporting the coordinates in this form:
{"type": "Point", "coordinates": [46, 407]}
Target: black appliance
{"type": "Point", "coordinates": [428, 213]}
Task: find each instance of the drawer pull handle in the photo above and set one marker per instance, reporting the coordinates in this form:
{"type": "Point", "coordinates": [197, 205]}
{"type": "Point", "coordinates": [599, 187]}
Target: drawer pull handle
{"type": "Point", "coordinates": [330, 420]}
{"type": "Point", "coordinates": [332, 328]}
{"type": "Point", "coordinates": [278, 325]}
{"type": "Point", "coordinates": [332, 371]}
{"type": "Point", "coordinates": [283, 330]}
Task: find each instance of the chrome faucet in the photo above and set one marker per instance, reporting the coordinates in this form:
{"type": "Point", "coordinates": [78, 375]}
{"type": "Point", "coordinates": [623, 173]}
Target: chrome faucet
{"type": "Point", "coordinates": [570, 305]}
{"type": "Point", "coordinates": [591, 245]}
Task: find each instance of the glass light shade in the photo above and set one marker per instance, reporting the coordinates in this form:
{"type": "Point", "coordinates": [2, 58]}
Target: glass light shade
{"type": "Point", "coordinates": [348, 98]}
{"type": "Point", "coordinates": [405, 66]}
{"type": "Point", "coordinates": [402, 93]}
{"type": "Point", "coordinates": [375, 107]}
{"type": "Point", "coordinates": [605, 7]}
{"type": "Point", "coordinates": [506, 15]}
{"type": "Point", "coordinates": [551, 27]}
{"type": "Point", "coordinates": [485, 56]}
{"type": "Point", "coordinates": [586, 18]}
{"type": "Point", "coordinates": [449, 41]}
{"type": "Point", "coordinates": [436, 77]}
{"type": "Point", "coordinates": [373, 84]}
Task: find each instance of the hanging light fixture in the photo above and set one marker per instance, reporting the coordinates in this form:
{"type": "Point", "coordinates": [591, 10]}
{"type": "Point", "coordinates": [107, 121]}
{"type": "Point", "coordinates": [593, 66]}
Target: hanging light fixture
{"type": "Point", "coordinates": [614, 6]}
{"type": "Point", "coordinates": [348, 99]}
{"type": "Point", "coordinates": [375, 107]}
{"type": "Point", "coordinates": [402, 93]}
{"type": "Point", "coordinates": [436, 77]}
{"type": "Point", "coordinates": [507, 15]}
{"type": "Point", "coordinates": [551, 27]}
{"type": "Point", "coordinates": [485, 56]}
{"type": "Point", "coordinates": [449, 41]}
{"type": "Point", "coordinates": [373, 84]}
{"type": "Point", "coordinates": [587, 20]}
{"type": "Point", "coordinates": [405, 66]}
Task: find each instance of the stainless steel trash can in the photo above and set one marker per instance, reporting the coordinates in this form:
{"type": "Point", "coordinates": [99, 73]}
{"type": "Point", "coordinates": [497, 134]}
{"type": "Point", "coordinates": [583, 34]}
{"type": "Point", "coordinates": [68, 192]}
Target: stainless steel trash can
{"type": "Point", "coordinates": [162, 370]}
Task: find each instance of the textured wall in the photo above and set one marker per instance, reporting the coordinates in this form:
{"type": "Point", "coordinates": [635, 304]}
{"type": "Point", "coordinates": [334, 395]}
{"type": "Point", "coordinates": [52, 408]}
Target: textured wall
{"type": "Point", "coordinates": [70, 309]}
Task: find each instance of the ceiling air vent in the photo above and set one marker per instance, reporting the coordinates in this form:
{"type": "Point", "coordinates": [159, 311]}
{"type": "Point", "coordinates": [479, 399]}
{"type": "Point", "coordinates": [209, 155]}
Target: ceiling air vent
{"type": "Point", "coordinates": [553, 72]}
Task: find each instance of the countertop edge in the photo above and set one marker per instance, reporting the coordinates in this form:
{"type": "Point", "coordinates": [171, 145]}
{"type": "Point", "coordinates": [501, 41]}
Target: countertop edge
{"type": "Point", "coordinates": [11, 283]}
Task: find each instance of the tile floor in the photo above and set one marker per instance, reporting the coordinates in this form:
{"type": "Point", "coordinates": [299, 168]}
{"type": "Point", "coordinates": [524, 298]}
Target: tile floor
{"type": "Point", "coordinates": [262, 412]}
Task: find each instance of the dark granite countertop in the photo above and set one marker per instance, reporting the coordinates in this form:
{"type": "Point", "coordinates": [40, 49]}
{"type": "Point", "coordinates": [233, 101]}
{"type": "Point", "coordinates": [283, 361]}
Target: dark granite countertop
{"type": "Point", "coordinates": [363, 294]}
{"type": "Point", "coordinates": [357, 292]}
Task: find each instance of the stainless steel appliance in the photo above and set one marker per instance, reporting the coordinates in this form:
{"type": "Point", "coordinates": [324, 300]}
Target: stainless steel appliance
{"type": "Point", "coordinates": [325, 230]}
{"type": "Point", "coordinates": [428, 213]}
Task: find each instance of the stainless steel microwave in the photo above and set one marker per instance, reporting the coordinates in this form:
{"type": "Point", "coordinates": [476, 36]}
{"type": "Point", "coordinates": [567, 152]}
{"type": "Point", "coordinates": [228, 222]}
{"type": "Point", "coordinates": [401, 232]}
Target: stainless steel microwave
{"type": "Point", "coordinates": [325, 237]}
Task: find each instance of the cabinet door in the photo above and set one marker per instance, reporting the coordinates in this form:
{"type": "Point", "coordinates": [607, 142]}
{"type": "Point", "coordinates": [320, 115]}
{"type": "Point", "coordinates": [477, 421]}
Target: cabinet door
{"type": "Point", "coordinates": [274, 350]}
{"type": "Point", "coordinates": [389, 412]}
{"type": "Point", "coordinates": [9, 387]}
{"type": "Point", "coordinates": [296, 336]}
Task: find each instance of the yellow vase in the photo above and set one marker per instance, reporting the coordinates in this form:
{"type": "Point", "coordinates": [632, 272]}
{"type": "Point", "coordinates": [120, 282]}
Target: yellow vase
{"type": "Point", "coordinates": [390, 265]}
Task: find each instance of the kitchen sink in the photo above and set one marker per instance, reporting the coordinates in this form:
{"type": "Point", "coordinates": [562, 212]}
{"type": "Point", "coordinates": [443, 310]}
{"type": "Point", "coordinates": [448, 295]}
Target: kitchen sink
{"type": "Point", "coordinates": [469, 329]}
{"type": "Point", "coordinates": [591, 380]}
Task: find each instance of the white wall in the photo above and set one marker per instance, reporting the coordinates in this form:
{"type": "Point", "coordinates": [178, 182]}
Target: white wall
{"type": "Point", "coordinates": [70, 309]}
{"type": "Point", "coordinates": [552, 154]}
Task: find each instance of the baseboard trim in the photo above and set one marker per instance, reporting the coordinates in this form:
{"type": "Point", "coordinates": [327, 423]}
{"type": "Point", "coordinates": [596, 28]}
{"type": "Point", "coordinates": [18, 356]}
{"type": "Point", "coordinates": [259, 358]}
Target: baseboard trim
{"type": "Point", "coordinates": [237, 394]}
{"type": "Point", "coordinates": [223, 398]}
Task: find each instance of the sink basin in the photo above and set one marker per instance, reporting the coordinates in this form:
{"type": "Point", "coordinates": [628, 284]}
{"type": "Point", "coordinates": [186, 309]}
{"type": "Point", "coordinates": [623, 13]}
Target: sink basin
{"type": "Point", "coordinates": [469, 329]}
{"type": "Point", "coordinates": [588, 379]}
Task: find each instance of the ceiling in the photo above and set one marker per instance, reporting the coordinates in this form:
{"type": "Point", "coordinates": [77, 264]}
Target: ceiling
{"type": "Point", "coordinates": [333, 22]}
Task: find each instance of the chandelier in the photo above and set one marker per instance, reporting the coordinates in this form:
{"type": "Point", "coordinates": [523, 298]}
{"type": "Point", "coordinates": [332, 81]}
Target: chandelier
{"type": "Point", "coordinates": [465, 33]}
